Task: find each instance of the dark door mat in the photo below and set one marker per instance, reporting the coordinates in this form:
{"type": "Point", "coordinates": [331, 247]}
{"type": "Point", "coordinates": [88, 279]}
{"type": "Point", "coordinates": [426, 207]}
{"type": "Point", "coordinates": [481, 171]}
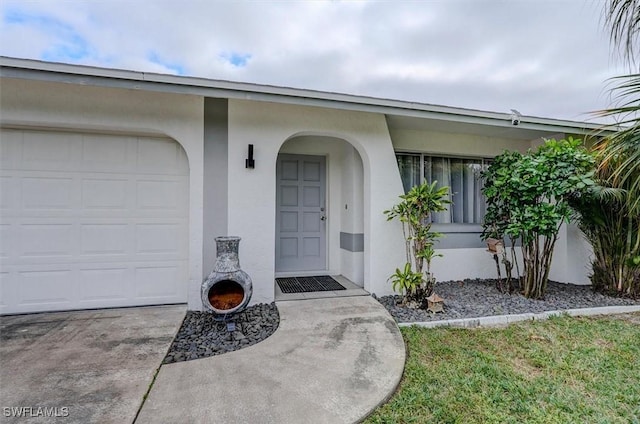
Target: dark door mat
{"type": "Point", "coordinates": [308, 284]}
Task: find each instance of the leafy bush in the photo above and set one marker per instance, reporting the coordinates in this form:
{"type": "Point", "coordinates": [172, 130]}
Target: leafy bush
{"type": "Point", "coordinates": [527, 199]}
{"type": "Point", "coordinates": [406, 281]}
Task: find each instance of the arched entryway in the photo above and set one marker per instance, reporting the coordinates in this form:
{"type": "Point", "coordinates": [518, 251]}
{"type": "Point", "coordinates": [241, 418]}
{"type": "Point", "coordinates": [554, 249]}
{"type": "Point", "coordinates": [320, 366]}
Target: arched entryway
{"type": "Point", "coordinates": [320, 210]}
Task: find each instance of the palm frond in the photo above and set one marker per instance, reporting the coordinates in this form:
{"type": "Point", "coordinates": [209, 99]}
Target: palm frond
{"type": "Point", "coordinates": [622, 17]}
{"type": "Point", "coordinates": [619, 163]}
{"type": "Point", "coordinates": [608, 194]}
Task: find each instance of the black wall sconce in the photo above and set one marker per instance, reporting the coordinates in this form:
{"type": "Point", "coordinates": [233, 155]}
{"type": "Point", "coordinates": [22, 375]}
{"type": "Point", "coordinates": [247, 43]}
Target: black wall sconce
{"type": "Point", "coordinates": [250, 162]}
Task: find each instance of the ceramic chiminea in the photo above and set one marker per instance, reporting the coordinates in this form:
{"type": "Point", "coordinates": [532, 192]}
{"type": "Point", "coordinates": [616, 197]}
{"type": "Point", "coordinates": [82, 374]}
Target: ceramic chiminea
{"type": "Point", "coordinates": [228, 289]}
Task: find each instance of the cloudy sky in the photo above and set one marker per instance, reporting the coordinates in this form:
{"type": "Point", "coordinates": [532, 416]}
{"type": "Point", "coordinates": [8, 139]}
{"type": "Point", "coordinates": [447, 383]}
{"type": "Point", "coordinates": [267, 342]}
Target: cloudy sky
{"type": "Point", "coordinates": [548, 58]}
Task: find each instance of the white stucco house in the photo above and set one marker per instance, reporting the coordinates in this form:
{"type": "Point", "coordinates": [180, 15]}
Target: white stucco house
{"type": "Point", "coordinates": [115, 183]}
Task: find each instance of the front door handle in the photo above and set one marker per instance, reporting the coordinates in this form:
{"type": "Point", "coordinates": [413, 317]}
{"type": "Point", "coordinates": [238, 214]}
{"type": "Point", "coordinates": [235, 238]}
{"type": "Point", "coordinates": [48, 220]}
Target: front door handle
{"type": "Point", "coordinates": [323, 218]}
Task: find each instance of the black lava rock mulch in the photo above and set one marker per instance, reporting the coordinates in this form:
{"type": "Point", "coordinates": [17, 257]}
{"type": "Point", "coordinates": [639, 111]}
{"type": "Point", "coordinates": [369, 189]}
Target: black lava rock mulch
{"type": "Point", "coordinates": [480, 298]}
{"type": "Point", "coordinates": [200, 336]}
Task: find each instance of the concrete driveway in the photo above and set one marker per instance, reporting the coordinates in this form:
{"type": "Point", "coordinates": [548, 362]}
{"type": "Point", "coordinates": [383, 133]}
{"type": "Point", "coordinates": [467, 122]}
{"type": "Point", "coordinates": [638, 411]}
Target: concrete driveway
{"type": "Point", "coordinates": [83, 366]}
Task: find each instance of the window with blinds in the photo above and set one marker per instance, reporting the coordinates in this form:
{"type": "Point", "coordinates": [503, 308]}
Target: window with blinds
{"type": "Point", "coordinates": [462, 175]}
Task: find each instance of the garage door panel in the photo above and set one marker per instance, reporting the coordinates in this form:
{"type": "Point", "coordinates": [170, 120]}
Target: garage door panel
{"type": "Point", "coordinates": [46, 240]}
{"type": "Point", "coordinates": [156, 282]}
{"type": "Point", "coordinates": [46, 287]}
{"type": "Point", "coordinates": [158, 238]}
{"type": "Point", "coordinates": [8, 193]}
{"type": "Point", "coordinates": [159, 195]}
{"type": "Point", "coordinates": [47, 193]}
{"type": "Point", "coordinates": [105, 153]}
{"type": "Point", "coordinates": [92, 224]}
{"type": "Point", "coordinates": [104, 193]}
{"type": "Point", "coordinates": [104, 239]}
{"type": "Point", "coordinates": [102, 260]}
{"type": "Point", "coordinates": [6, 297]}
{"type": "Point", "coordinates": [154, 154]}
{"type": "Point", "coordinates": [6, 240]}
{"type": "Point", "coordinates": [104, 285]}
{"type": "Point", "coordinates": [11, 149]}
{"type": "Point", "coordinates": [50, 150]}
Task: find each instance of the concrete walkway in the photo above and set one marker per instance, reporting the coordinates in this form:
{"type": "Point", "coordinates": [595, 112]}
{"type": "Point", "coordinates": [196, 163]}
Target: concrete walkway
{"type": "Point", "coordinates": [330, 361]}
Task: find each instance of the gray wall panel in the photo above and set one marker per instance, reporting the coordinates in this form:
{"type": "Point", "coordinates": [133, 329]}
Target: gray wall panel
{"type": "Point", "coordinates": [352, 242]}
{"type": "Point", "coordinates": [215, 178]}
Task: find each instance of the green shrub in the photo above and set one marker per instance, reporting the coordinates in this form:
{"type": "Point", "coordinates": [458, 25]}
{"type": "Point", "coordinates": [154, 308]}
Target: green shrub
{"type": "Point", "coordinates": [527, 199]}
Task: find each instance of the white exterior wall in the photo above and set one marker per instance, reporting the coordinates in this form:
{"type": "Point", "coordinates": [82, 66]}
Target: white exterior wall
{"type": "Point", "coordinates": [252, 192]}
{"type": "Point", "coordinates": [46, 105]}
{"type": "Point", "coordinates": [571, 257]}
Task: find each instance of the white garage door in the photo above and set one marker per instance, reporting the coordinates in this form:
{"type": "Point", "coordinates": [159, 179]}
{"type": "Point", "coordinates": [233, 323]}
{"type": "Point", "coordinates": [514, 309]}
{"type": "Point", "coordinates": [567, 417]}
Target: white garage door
{"type": "Point", "coordinates": [91, 221]}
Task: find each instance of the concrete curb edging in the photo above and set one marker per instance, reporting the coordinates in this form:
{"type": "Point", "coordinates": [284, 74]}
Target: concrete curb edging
{"type": "Point", "coordinates": [499, 320]}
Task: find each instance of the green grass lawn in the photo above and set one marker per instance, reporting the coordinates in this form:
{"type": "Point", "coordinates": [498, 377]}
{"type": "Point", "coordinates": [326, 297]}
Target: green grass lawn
{"type": "Point", "coordinates": [564, 370]}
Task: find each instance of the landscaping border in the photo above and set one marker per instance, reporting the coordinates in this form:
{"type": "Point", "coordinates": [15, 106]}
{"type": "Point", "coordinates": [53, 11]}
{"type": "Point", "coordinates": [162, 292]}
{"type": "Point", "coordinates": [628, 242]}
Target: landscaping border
{"type": "Point", "coordinates": [501, 320]}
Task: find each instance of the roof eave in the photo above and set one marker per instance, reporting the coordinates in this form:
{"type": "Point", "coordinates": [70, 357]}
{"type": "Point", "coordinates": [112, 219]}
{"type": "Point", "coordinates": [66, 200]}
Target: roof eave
{"type": "Point", "coordinates": [135, 80]}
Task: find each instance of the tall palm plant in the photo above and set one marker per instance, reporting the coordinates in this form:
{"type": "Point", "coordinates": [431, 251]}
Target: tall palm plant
{"type": "Point", "coordinates": [622, 149]}
{"type": "Point", "coordinates": [610, 216]}
{"type": "Point", "coordinates": [619, 152]}
{"type": "Point", "coordinates": [604, 217]}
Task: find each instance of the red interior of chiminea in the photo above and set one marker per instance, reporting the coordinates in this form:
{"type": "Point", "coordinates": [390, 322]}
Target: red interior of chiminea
{"type": "Point", "coordinates": [226, 295]}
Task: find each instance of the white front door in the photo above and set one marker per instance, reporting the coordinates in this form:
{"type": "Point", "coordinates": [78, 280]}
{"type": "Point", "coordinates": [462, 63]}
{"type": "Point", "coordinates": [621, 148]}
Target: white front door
{"type": "Point", "coordinates": [300, 213]}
